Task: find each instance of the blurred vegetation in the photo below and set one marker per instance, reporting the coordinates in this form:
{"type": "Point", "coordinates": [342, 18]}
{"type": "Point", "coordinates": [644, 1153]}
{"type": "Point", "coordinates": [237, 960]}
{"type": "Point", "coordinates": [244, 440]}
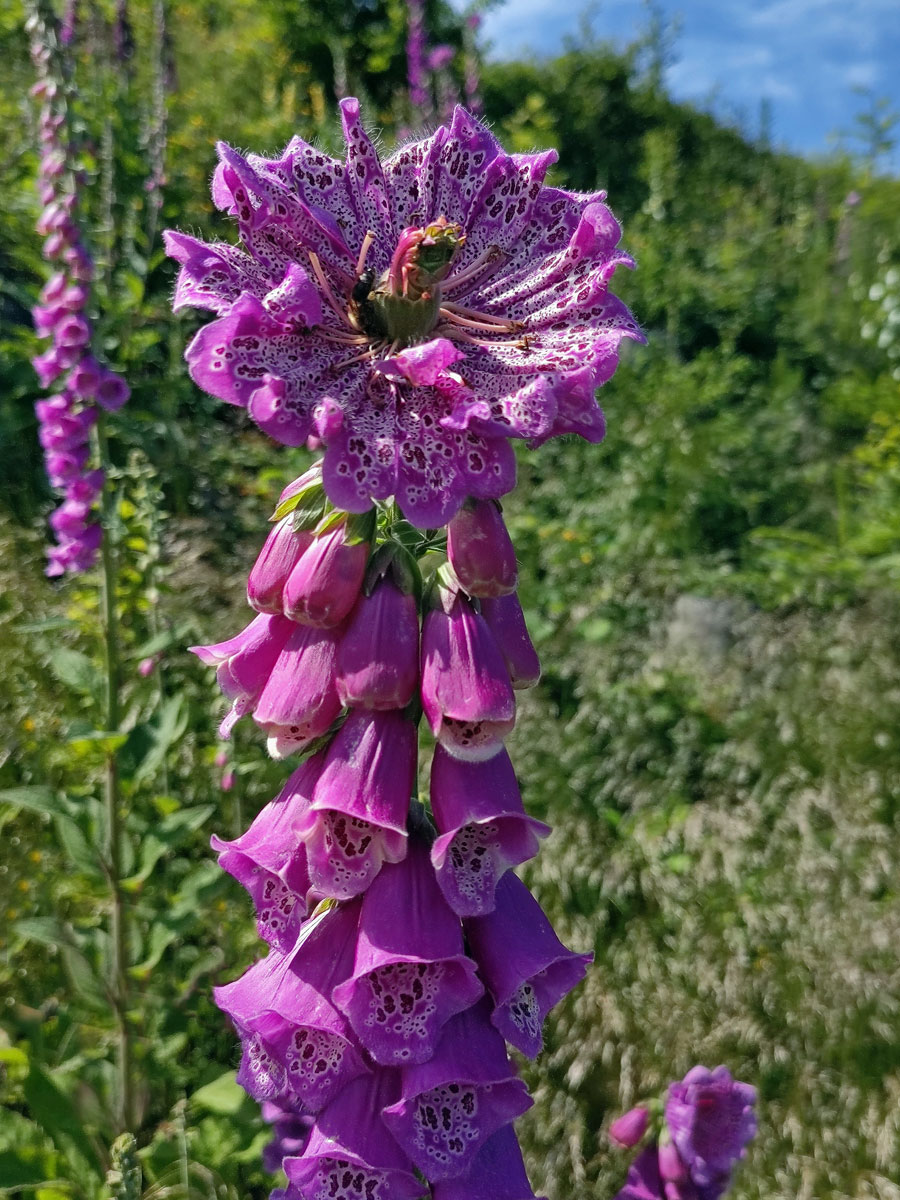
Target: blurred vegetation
{"type": "Point", "coordinates": [714, 593]}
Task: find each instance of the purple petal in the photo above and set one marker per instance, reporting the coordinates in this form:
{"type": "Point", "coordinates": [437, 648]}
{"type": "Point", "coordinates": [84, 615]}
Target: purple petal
{"type": "Point", "coordinates": [526, 967]}
{"type": "Point", "coordinates": [350, 1154]}
{"type": "Point", "coordinates": [378, 658]}
{"type": "Point", "coordinates": [362, 800]}
{"type": "Point", "coordinates": [410, 975]}
{"type": "Point", "coordinates": [451, 1104]}
{"type": "Point", "coordinates": [497, 1173]}
{"type": "Point", "coordinates": [483, 828]}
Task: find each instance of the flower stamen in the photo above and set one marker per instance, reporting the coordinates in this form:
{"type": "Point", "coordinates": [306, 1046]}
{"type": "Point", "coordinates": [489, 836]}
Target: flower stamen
{"type": "Point", "coordinates": [326, 288]}
{"type": "Point", "coordinates": [364, 251]}
{"type": "Point", "coordinates": [493, 256]}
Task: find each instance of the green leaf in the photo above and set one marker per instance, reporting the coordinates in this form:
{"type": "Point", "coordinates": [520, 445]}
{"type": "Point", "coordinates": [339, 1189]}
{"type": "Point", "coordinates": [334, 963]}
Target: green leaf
{"type": "Point", "coordinates": [83, 979]}
{"type": "Point", "coordinates": [76, 670]}
{"type": "Point", "coordinates": [18, 1171]}
{"type": "Point", "coordinates": [162, 935]}
{"type": "Point", "coordinates": [57, 1116]}
{"type": "Point", "coordinates": [38, 799]}
{"type": "Point", "coordinates": [157, 840]}
{"type": "Point", "coordinates": [77, 848]}
{"type": "Point", "coordinates": [223, 1096]}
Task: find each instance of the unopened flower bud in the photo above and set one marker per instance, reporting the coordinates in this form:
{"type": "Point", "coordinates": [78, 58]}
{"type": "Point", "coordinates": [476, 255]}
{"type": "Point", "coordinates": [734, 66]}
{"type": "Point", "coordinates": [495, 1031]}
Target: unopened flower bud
{"type": "Point", "coordinates": [628, 1129]}
{"type": "Point", "coordinates": [480, 550]}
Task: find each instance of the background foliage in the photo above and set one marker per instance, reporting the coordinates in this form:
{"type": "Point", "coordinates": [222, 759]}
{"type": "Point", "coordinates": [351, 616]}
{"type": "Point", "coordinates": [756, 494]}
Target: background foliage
{"type": "Point", "coordinates": [713, 592]}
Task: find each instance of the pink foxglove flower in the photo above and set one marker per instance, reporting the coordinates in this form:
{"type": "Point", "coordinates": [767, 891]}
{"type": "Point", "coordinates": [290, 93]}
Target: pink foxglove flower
{"type": "Point", "coordinates": [504, 617]}
{"type": "Point", "coordinates": [350, 1153]}
{"type": "Point", "coordinates": [525, 966]}
{"type": "Point", "coordinates": [411, 315]}
{"type": "Point", "coordinates": [378, 658]}
{"type": "Point", "coordinates": [324, 585]}
{"type": "Point", "coordinates": [482, 829]}
{"type": "Point", "coordinates": [280, 554]}
{"type": "Point", "coordinates": [707, 1123]}
{"type": "Point", "coordinates": [295, 1042]}
{"type": "Point", "coordinates": [497, 1173]}
{"type": "Point", "coordinates": [411, 975]}
{"type": "Point", "coordinates": [451, 1104]}
{"type": "Point", "coordinates": [357, 815]}
{"type": "Point", "coordinates": [466, 692]}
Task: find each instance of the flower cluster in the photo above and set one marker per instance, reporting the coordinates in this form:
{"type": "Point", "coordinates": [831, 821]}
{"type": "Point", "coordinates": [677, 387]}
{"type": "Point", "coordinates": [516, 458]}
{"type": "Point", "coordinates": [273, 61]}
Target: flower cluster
{"type": "Point", "coordinates": [66, 417]}
{"type": "Point", "coordinates": [410, 316]}
{"type": "Point", "coordinates": [404, 953]}
{"type": "Point", "coordinates": [702, 1131]}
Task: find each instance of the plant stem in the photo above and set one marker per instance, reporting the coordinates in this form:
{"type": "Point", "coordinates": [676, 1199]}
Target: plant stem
{"type": "Point", "coordinates": [118, 982]}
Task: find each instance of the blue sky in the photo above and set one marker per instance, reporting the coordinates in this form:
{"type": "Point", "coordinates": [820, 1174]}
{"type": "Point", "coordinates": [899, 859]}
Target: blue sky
{"type": "Point", "coordinates": [803, 56]}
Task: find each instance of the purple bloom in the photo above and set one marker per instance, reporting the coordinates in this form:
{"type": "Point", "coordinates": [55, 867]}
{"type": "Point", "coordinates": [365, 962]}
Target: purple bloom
{"type": "Point", "coordinates": [711, 1119]}
{"type": "Point", "coordinates": [323, 586]}
{"type": "Point", "coordinates": [378, 658]}
{"type": "Point", "coordinates": [291, 1129]}
{"type": "Point", "coordinates": [480, 550]}
{"type": "Point", "coordinates": [295, 1042]}
{"type": "Point", "coordinates": [357, 818]}
{"type": "Point", "coordinates": [497, 1173]}
{"type": "Point", "coordinates": [526, 967]}
{"type": "Point", "coordinates": [643, 1181]}
{"type": "Point", "coordinates": [453, 1102]}
{"type": "Point", "coordinates": [245, 662]}
{"type": "Point", "coordinates": [506, 621]}
{"type": "Point", "coordinates": [269, 860]}
{"type": "Point", "coordinates": [299, 701]}
{"type": "Point", "coordinates": [350, 1154]}
{"type": "Point", "coordinates": [483, 828]}
{"type": "Point", "coordinates": [440, 57]}
{"type": "Point", "coordinates": [466, 692]}
{"type": "Point", "coordinates": [451, 244]}
{"type": "Point", "coordinates": [628, 1129]}
{"type": "Point", "coordinates": [410, 975]}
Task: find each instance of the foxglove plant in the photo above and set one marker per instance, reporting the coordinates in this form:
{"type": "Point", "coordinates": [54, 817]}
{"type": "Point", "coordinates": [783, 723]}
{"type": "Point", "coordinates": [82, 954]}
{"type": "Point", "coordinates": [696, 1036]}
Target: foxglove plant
{"type": "Point", "coordinates": [67, 417]}
{"type": "Point", "coordinates": [699, 1132]}
{"type": "Point", "coordinates": [408, 319]}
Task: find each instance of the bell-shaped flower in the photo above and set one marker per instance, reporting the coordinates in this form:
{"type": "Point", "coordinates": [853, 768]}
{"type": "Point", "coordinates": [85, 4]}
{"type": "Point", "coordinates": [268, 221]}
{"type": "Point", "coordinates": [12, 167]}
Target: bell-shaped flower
{"type": "Point", "coordinates": [644, 1181]}
{"type": "Point", "coordinates": [711, 1119]}
{"type": "Point", "coordinates": [452, 1103]}
{"type": "Point", "coordinates": [299, 701]}
{"type": "Point", "coordinates": [269, 860]}
{"type": "Point", "coordinates": [497, 1173]}
{"type": "Point", "coordinates": [466, 693]}
{"type": "Point", "coordinates": [290, 1132]}
{"type": "Point", "coordinates": [410, 975]}
{"type": "Point", "coordinates": [378, 659]}
{"type": "Point", "coordinates": [279, 555]}
{"type": "Point", "coordinates": [525, 966]}
{"type": "Point", "coordinates": [245, 662]}
{"type": "Point", "coordinates": [506, 621]}
{"type": "Point", "coordinates": [357, 818]}
{"type": "Point", "coordinates": [350, 1154]}
{"type": "Point", "coordinates": [324, 585]}
{"type": "Point", "coordinates": [480, 550]}
{"type": "Point", "coordinates": [295, 1042]}
{"type": "Point", "coordinates": [483, 828]}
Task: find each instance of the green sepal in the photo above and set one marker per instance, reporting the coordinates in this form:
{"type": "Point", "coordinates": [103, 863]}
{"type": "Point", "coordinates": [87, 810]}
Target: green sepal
{"type": "Point", "coordinates": [361, 527]}
{"type": "Point", "coordinates": [311, 492]}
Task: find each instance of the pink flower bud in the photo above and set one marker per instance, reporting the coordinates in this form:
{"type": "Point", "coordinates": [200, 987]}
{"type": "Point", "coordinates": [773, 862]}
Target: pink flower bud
{"type": "Point", "coordinates": [147, 666]}
{"type": "Point", "coordinates": [466, 693]}
{"type": "Point", "coordinates": [628, 1129]}
{"type": "Point", "coordinates": [323, 586]}
{"type": "Point", "coordinates": [227, 781]}
{"type": "Point", "coordinates": [671, 1165]}
{"type": "Point", "coordinates": [480, 551]}
{"type": "Point", "coordinates": [280, 554]}
{"type": "Point", "coordinates": [378, 658]}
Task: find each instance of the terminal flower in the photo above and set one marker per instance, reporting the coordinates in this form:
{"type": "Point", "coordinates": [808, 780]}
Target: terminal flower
{"type": "Point", "coordinates": [410, 315]}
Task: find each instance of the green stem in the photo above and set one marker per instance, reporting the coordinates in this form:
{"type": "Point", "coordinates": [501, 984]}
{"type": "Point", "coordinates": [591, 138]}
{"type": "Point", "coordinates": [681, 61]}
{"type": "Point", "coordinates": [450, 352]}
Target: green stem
{"type": "Point", "coordinates": [118, 983]}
